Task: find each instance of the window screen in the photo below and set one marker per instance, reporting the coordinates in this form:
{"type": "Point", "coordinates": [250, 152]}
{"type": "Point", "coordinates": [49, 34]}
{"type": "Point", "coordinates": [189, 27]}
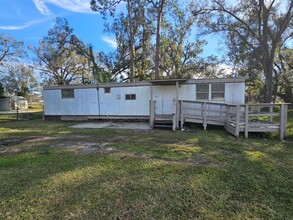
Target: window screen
{"type": "Point", "coordinates": [67, 93]}
{"type": "Point", "coordinates": [130, 97]}
{"type": "Point", "coordinates": [218, 91]}
{"type": "Point", "coordinates": [202, 91]}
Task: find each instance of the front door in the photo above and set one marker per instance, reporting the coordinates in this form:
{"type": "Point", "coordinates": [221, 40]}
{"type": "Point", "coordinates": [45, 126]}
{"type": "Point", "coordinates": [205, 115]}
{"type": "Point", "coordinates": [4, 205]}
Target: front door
{"type": "Point", "coordinates": [164, 97]}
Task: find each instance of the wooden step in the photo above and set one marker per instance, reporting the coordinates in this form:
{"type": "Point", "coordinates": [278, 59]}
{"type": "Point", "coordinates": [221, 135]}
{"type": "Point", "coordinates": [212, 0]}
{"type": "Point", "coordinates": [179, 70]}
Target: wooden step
{"type": "Point", "coordinates": [163, 124]}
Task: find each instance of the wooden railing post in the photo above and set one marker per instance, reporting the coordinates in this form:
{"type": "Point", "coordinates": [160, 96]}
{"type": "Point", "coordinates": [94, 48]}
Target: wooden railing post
{"type": "Point", "coordinates": [285, 119]}
{"type": "Point", "coordinates": [237, 121]}
{"type": "Point", "coordinates": [152, 113]}
{"type": "Point", "coordinates": [174, 115]}
{"type": "Point", "coordinates": [17, 113]}
{"type": "Point", "coordinates": [228, 110]}
{"type": "Point", "coordinates": [282, 122]}
{"type": "Point", "coordinates": [271, 111]}
{"type": "Point", "coordinates": [177, 113]}
{"type": "Point", "coordinates": [181, 114]}
{"type": "Point", "coordinates": [204, 116]}
{"type": "Point", "coordinates": [246, 122]}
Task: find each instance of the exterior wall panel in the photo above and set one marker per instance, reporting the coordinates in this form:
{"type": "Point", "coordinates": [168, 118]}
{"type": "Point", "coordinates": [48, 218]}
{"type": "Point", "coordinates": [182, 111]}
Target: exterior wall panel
{"type": "Point", "coordinates": [235, 93]}
{"type": "Point", "coordinates": [114, 103]}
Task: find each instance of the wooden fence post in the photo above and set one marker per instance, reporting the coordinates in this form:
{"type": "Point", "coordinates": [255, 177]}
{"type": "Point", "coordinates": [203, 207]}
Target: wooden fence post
{"type": "Point", "coordinates": [246, 125]}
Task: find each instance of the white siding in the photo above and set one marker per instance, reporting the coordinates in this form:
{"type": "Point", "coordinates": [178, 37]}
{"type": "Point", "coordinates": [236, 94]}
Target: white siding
{"type": "Point", "coordinates": [110, 104]}
{"type": "Point", "coordinates": [187, 92]}
{"type": "Point", "coordinates": [52, 102]}
{"type": "Point", "coordinates": [85, 102]}
{"type": "Point", "coordinates": [235, 93]}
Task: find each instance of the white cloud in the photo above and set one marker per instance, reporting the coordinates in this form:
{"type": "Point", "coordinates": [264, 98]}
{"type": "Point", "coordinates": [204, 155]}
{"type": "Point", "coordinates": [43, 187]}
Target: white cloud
{"type": "Point", "coordinates": [111, 42]}
{"type": "Point", "coordinates": [22, 26]}
{"type": "Point", "coordinates": [81, 6]}
{"type": "Point", "coordinates": [42, 8]}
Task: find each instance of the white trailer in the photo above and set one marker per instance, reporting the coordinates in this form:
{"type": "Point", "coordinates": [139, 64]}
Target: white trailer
{"type": "Point", "coordinates": [134, 100]}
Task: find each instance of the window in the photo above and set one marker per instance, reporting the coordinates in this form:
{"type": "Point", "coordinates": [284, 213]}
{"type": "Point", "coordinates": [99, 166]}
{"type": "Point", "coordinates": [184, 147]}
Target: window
{"type": "Point", "coordinates": [130, 97]}
{"type": "Point", "coordinates": [107, 90]}
{"type": "Point", "coordinates": [218, 91]}
{"type": "Point", "coordinates": [210, 91]}
{"type": "Point", "coordinates": [67, 93]}
{"type": "Point", "coordinates": [202, 91]}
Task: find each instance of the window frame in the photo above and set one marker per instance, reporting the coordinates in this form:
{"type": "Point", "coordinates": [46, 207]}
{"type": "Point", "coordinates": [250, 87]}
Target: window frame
{"type": "Point", "coordinates": [217, 91]}
{"type": "Point", "coordinates": [203, 92]}
{"type": "Point", "coordinates": [107, 90]}
{"type": "Point", "coordinates": [211, 92]}
{"type": "Point", "coordinates": [130, 96]}
{"type": "Point", "coordinates": [67, 94]}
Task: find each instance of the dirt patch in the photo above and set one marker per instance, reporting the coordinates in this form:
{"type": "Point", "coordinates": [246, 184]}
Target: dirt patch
{"type": "Point", "coordinates": [115, 125]}
{"type": "Point", "coordinates": [85, 147]}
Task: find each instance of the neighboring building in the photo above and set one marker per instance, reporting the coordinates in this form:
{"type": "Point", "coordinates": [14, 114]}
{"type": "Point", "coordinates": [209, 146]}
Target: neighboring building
{"type": "Point", "coordinates": [5, 103]}
{"type": "Point", "coordinates": [18, 102]}
{"type": "Point", "coordinates": [132, 100]}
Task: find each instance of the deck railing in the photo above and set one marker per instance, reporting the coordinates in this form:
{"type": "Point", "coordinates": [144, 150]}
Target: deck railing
{"type": "Point", "coordinates": [237, 118]}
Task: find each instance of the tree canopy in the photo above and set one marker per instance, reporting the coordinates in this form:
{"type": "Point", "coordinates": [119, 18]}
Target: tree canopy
{"type": "Point", "coordinates": [256, 30]}
{"type": "Point", "coordinates": [58, 58]}
{"type": "Point", "coordinates": [10, 49]}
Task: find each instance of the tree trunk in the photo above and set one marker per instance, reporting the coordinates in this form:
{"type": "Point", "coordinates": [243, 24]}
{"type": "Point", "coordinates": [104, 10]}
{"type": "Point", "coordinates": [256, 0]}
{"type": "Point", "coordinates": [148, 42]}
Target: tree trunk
{"type": "Point", "coordinates": [158, 38]}
{"type": "Point", "coordinates": [268, 72]}
{"type": "Point", "coordinates": [131, 42]}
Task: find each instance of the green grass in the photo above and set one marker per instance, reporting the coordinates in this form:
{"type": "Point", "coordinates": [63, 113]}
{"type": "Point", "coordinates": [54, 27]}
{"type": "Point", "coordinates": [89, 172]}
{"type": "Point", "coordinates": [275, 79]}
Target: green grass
{"type": "Point", "coordinates": [44, 174]}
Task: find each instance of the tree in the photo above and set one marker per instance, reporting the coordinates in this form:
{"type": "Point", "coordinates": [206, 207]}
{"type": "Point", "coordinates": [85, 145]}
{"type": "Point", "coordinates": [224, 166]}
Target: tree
{"type": "Point", "coordinates": [260, 27]}
{"type": "Point", "coordinates": [283, 72]}
{"type": "Point", "coordinates": [131, 29]}
{"type": "Point", "coordinates": [98, 73]}
{"type": "Point", "coordinates": [179, 52]}
{"type": "Point", "coordinates": [2, 90]}
{"type": "Point", "coordinates": [159, 7]}
{"type": "Point", "coordinates": [109, 6]}
{"type": "Point", "coordinates": [58, 59]}
{"type": "Point", "coordinates": [10, 48]}
{"type": "Point", "coordinates": [19, 79]}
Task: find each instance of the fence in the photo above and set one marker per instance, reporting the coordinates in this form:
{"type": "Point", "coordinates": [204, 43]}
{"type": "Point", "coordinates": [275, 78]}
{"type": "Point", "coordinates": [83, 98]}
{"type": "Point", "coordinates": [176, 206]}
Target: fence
{"type": "Point", "coordinates": [18, 115]}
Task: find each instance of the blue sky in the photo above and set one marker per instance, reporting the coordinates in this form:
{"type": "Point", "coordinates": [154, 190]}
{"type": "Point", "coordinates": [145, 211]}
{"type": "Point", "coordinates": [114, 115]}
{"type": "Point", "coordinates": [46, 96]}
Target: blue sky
{"type": "Point", "coordinates": [29, 20]}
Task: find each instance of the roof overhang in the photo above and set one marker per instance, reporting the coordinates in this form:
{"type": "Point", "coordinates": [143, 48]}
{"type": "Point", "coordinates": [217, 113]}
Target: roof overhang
{"type": "Point", "coordinates": [166, 81]}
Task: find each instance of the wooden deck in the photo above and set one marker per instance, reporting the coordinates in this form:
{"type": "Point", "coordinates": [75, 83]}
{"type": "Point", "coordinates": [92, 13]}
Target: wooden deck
{"type": "Point", "coordinates": [235, 118]}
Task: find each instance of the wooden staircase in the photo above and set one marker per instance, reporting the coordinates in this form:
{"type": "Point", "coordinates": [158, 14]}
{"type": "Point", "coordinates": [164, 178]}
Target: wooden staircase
{"type": "Point", "coordinates": [163, 122]}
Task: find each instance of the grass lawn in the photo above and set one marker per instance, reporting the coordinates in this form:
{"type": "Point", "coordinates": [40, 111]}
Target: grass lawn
{"type": "Point", "coordinates": [51, 171]}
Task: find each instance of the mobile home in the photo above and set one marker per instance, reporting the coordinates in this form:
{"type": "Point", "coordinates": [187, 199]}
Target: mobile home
{"type": "Point", "coordinates": [135, 100]}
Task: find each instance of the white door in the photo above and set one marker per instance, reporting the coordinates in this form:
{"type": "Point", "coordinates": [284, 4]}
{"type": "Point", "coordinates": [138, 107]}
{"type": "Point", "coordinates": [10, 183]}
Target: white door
{"type": "Point", "coordinates": [164, 98]}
